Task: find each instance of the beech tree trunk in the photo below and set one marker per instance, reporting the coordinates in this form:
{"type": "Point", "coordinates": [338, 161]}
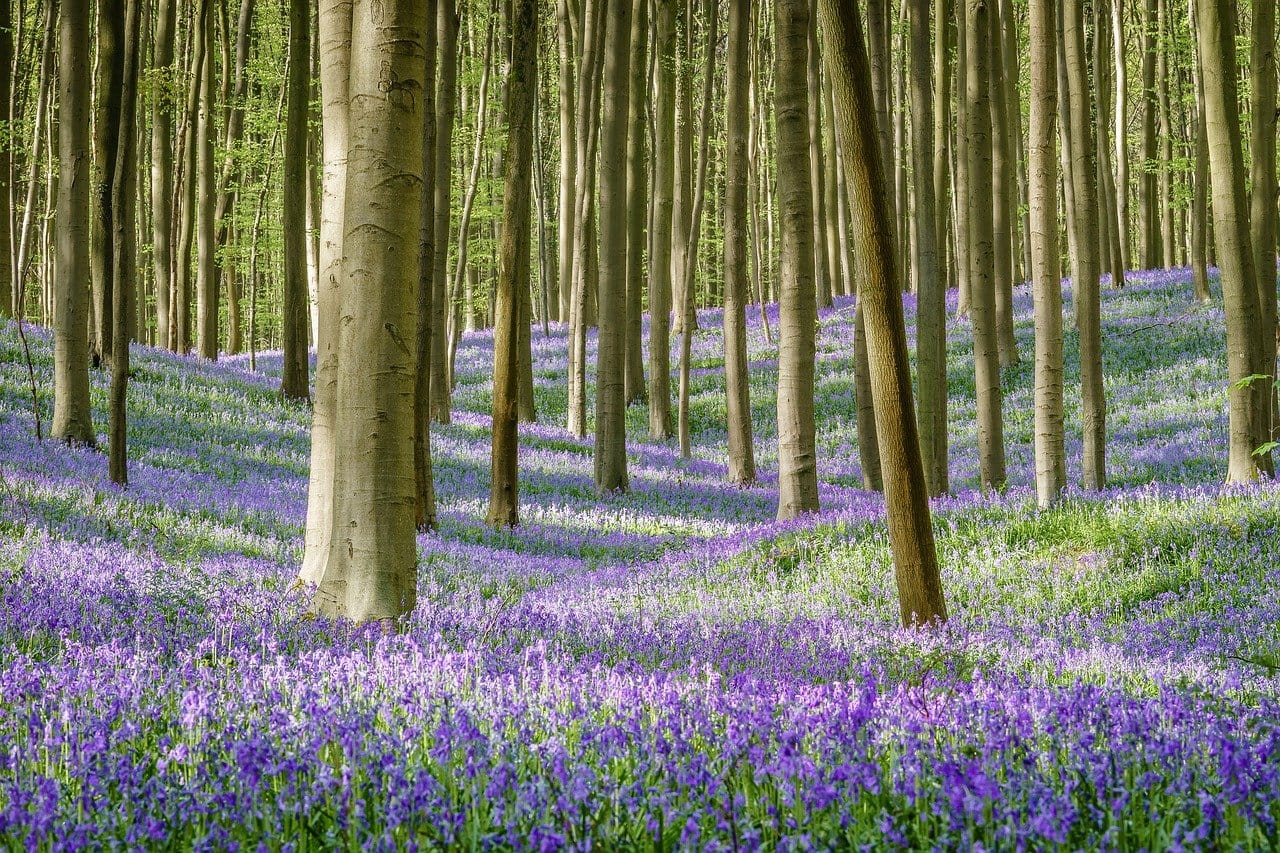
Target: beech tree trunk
{"type": "Point", "coordinates": [446, 98]}
{"type": "Point", "coordinates": [1262, 218]}
{"type": "Point", "coordinates": [1148, 185]}
{"type": "Point", "coordinates": [797, 453]}
{"type": "Point", "coordinates": [72, 415]}
{"type": "Point", "coordinates": [1004, 168]}
{"type": "Point", "coordinates": [294, 380]}
{"type": "Point", "coordinates": [637, 203]}
{"type": "Point", "coordinates": [206, 248]}
{"type": "Point", "coordinates": [660, 263]}
{"type": "Point", "coordinates": [1046, 273]}
{"type": "Point", "coordinates": [162, 142]}
{"type": "Point", "coordinates": [513, 263]}
{"type": "Point", "coordinates": [109, 71]}
{"type": "Point", "coordinates": [911, 541]}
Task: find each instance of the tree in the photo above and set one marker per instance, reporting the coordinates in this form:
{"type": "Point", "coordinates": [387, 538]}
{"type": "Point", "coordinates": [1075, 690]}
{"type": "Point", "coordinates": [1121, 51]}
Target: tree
{"type": "Point", "coordinates": [931, 347]}
{"type": "Point", "coordinates": [568, 153]}
{"type": "Point", "coordinates": [424, 481]}
{"type": "Point", "coordinates": [123, 241]}
{"type": "Point", "coordinates": [513, 265]}
{"type": "Point", "coordinates": [108, 77]}
{"type": "Point", "coordinates": [1003, 191]}
{"type": "Point", "coordinates": [72, 416]}
{"type": "Point", "coordinates": [162, 141]}
{"type": "Point", "coordinates": [1085, 196]}
{"type": "Point", "coordinates": [206, 241]}
{"type": "Point", "coordinates": [611, 436]}
{"type": "Point", "coordinates": [1148, 201]}
{"type": "Point", "coordinates": [742, 463]}
{"type": "Point", "coordinates": [797, 453]}
{"type": "Point", "coordinates": [446, 98]}
{"type": "Point", "coordinates": [1262, 215]}
{"type": "Point", "coordinates": [915, 557]}
{"type": "Point", "coordinates": [981, 260]}
{"type": "Point", "coordinates": [1216, 25]}
{"type": "Point", "coordinates": [660, 268]}
{"type": "Point", "coordinates": [1046, 273]}
{"type": "Point", "coordinates": [371, 568]}
{"type": "Point", "coordinates": [8, 299]}
{"type": "Point", "coordinates": [637, 203]}
{"type": "Point", "coordinates": [295, 368]}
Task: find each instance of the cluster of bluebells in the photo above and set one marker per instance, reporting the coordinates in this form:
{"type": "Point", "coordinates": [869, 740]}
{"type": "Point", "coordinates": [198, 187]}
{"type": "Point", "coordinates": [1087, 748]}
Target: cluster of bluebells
{"type": "Point", "coordinates": [669, 668]}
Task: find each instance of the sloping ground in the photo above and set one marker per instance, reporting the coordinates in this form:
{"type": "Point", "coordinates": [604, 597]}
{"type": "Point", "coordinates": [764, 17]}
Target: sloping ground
{"type": "Point", "coordinates": [666, 669]}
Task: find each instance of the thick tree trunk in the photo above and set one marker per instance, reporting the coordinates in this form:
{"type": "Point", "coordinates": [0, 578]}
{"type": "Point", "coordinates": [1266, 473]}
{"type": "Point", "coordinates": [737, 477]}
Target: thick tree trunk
{"type": "Point", "coordinates": [1216, 20]}
{"type": "Point", "coordinates": [513, 263]}
{"type": "Point", "coordinates": [1093, 410]}
{"type": "Point", "coordinates": [371, 573]}
{"type": "Point", "coordinates": [737, 378]}
{"type": "Point", "coordinates": [611, 403]}
{"type": "Point", "coordinates": [72, 416]}
{"type": "Point", "coordinates": [294, 380]}
{"type": "Point", "coordinates": [911, 541]}
{"type": "Point", "coordinates": [931, 336]}
{"type": "Point", "coordinates": [1046, 273]}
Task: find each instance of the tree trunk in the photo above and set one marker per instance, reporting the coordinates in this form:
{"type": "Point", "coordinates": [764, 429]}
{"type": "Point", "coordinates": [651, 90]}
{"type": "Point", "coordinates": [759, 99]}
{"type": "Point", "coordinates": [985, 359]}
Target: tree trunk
{"type": "Point", "coordinates": [1122, 131]}
{"type": "Point", "coordinates": [960, 146]}
{"type": "Point", "coordinates": [1003, 190]}
{"type": "Point", "coordinates": [8, 275]}
{"type": "Point", "coordinates": [931, 335]}
{"type": "Point", "coordinates": [513, 264]}
{"type": "Point", "coordinates": [424, 482]}
{"type": "Point", "coordinates": [1093, 412]}
{"type": "Point", "coordinates": [797, 453]}
{"type": "Point", "coordinates": [1216, 19]}
{"type": "Point", "coordinates": [1200, 196]}
{"type": "Point", "coordinates": [737, 378]}
{"type": "Point", "coordinates": [109, 70]}
{"type": "Point", "coordinates": [206, 248]}
{"type": "Point", "coordinates": [611, 404]}
{"type": "Point", "coordinates": [637, 204]}
{"type": "Point", "coordinates": [1108, 207]}
{"type": "Point", "coordinates": [1262, 157]}
{"type": "Point", "coordinates": [124, 271]}
{"type": "Point", "coordinates": [911, 541]}
{"type": "Point", "coordinates": [371, 572]}
{"type": "Point", "coordinates": [1165, 201]}
{"type": "Point", "coordinates": [295, 367]}
{"type": "Point", "coordinates": [1046, 273]}
{"type": "Point", "coordinates": [817, 173]}
{"type": "Point", "coordinates": [568, 155]}
{"type": "Point", "coordinates": [72, 415]}
{"type": "Point", "coordinates": [162, 142]}
{"type": "Point", "coordinates": [981, 258]}
{"type": "Point", "coordinates": [660, 263]}
{"type": "Point", "coordinates": [446, 98]}
{"type": "Point", "coordinates": [1148, 185]}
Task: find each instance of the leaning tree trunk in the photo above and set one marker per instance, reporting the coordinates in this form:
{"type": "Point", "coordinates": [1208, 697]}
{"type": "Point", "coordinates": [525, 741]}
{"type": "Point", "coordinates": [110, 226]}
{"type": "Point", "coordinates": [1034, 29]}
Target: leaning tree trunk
{"type": "Point", "coordinates": [611, 403]}
{"type": "Point", "coordinates": [797, 453]}
{"type": "Point", "coordinates": [72, 416]}
{"type": "Point", "coordinates": [513, 263]}
{"type": "Point", "coordinates": [1093, 411]}
{"type": "Point", "coordinates": [294, 369]}
{"type": "Point", "coordinates": [1046, 272]}
{"type": "Point", "coordinates": [915, 557]}
{"type": "Point", "coordinates": [1216, 19]}
{"type": "Point", "coordinates": [371, 572]}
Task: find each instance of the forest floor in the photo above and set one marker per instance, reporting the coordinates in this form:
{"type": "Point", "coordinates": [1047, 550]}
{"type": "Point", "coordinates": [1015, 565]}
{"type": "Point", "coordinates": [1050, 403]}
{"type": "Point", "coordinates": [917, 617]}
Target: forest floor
{"type": "Point", "coordinates": [669, 669]}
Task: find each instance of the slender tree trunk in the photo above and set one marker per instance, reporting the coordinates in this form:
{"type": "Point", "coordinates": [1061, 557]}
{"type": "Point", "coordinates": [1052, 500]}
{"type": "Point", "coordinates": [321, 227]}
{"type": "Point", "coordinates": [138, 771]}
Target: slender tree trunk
{"type": "Point", "coordinates": [295, 368]}
{"type": "Point", "coordinates": [513, 270]}
{"type": "Point", "coordinates": [325, 488]}
{"type": "Point", "coordinates": [1046, 273]}
{"type": "Point", "coordinates": [911, 541]}
{"type": "Point", "coordinates": [960, 146]}
{"type": "Point", "coordinates": [817, 174]}
{"type": "Point", "coordinates": [568, 155]}
{"type": "Point", "coordinates": [109, 70]}
{"type": "Point", "coordinates": [1263, 234]}
{"type": "Point", "coordinates": [742, 463]}
{"type": "Point", "coordinates": [446, 98]}
{"type": "Point", "coordinates": [1165, 201]}
{"type": "Point", "coordinates": [660, 263]}
{"type": "Point", "coordinates": [1200, 196]}
{"type": "Point", "coordinates": [72, 415]}
{"type": "Point", "coordinates": [206, 248]}
{"type": "Point", "coordinates": [1093, 412]}
{"type": "Point", "coordinates": [797, 452]}
{"type": "Point", "coordinates": [637, 203]}
{"type": "Point", "coordinates": [162, 142]}
{"type": "Point", "coordinates": [1216, 20]}
{"type": "Point", "coordinates": [8, 295]}
{"type": "Point", "coordinates": [371, 573]}
{"type": "Point", "coordinates": [682, 202]}
{"type": "Point", "coordinates": [1122, 131]}
{"type": "Point", "coordinates": [424, 517]}
{"type": "Point", "coordinates": [931, 346]}
{"type": "Point", "coordinates": [611, 403]}
{"type": "Point", "coordinates": [1148, 185]}
{"type": "Point", "coordinates": [1108, 203]}
{"type": "Point", "coordinates": [1003, 189]}
{"type": "Point", "coordinates": [124, 272]}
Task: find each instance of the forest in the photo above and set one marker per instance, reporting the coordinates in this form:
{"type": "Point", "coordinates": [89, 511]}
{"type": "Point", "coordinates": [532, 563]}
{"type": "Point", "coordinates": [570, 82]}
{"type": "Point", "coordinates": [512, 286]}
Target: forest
{"type": "Point", "coordinates": [639, 425]}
